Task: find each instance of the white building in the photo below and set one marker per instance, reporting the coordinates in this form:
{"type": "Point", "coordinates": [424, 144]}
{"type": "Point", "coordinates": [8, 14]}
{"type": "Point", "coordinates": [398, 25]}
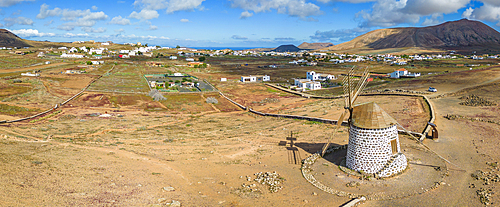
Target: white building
{"type": "Point", "coordinates": [94, 62]}
{"type": "Point", "coordinates": [96, 51]}
{"type": "Point", "coordinates": [403, 73]}
{"type": "Point", "coordinates": [373, 142]}
{"type": "Point", "coordinates": [257, 78]}
{"type": "Point", "coordinates": [173, 57]}
{"type": "Point", "coordinates": [64, 55]}
{"type": "Point", "coordinates": [311, 75]}
{"type": "Point", "coordinates": [303, 84]}
{"type": "Point", "coordinates": [30, 74]}
{"type": "Point", "coordinates": [190, 59]}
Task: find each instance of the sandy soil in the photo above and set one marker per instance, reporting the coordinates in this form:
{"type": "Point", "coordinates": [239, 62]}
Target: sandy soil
{"type": "Point", "coordinates": [128, 158]}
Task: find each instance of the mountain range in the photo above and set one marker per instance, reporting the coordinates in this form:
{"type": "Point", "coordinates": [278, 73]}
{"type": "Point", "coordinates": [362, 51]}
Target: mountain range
{"type": "Point", "coordinates": [462, 35]}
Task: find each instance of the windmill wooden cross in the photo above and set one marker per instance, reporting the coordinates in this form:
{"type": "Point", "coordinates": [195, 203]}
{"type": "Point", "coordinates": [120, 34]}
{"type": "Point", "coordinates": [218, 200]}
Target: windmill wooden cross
{"type": "Point", "coordinates": [291, 138]}
{"type": "Point", "coordinates": [293, 152]}
{"type": "Point", "coordinates": [352, 88]}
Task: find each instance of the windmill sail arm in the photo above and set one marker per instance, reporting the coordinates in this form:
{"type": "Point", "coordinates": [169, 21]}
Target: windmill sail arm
{"type": "Point", "coordinates": [361, 87]}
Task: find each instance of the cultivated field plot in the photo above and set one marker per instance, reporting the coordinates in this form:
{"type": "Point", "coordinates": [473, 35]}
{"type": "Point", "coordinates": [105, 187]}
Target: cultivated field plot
{"type": "Point", "coordinates": [8, 61]}
{"type": "Point", "coordinates": [124, 78]}
{"type": "Point", "coordinates": [186, 103]}
{"type": "Point", "coordinates": [28, 92]}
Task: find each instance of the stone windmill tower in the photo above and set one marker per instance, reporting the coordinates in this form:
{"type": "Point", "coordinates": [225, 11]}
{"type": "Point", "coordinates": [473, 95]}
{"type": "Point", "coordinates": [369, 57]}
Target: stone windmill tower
{"type": "Point", "coordinates": [373, 136]}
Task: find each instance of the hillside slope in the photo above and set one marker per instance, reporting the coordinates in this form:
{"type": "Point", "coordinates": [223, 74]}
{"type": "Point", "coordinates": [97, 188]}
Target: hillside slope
{"type": "Point", "coordinates": [8, 39]}
{"type": "Point", "coordinates": [460, 35]}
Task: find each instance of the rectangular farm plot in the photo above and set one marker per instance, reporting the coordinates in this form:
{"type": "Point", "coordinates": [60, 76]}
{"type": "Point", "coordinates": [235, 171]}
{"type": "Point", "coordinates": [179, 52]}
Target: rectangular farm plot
{"type": "Point", "coordinates": [186, 103]}
{"type": "Point", "coordinates": [124, 78]}
{"type": "Point", "coordinates": [8, 61]}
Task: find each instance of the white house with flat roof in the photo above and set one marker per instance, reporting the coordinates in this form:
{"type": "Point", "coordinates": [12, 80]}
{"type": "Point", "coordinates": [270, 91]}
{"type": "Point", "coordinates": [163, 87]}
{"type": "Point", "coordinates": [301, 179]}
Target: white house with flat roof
{"type": "Point", "coordinates": [256, 78]}
{"type": "Point", "coordinates": [311, 75]}
{"type": "Point", "coordinates": [304, 84]}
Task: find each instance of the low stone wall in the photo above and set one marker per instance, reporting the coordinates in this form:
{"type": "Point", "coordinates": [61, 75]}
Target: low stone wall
{"type": "Point", "coordinates": [431, 108]}
{"type": "Point", "coordinates": [308, 162]}
{"type": "Point", "coordinates": [234, 102]}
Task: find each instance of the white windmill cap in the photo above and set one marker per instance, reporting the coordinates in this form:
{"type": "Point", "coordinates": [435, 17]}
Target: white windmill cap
{"type": "Point", "coordinates": [371, 116]}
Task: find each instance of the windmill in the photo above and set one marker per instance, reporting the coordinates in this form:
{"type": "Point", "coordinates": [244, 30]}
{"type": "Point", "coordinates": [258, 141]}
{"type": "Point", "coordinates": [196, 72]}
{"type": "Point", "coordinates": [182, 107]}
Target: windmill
{"type": "Point", "coordinates": [373, 136]}
{"type": "Point", "coordinates": [352, 88]}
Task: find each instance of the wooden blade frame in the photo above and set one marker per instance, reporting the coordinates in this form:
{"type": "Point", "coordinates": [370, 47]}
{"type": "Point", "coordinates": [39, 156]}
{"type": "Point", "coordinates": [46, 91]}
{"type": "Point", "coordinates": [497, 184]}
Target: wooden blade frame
{"type": "Point", "coordinates": [351, 94]}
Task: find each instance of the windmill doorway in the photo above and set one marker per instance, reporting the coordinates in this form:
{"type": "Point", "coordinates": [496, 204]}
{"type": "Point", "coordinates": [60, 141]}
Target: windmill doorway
{"type": "Point", "coordinates": [394, 146]}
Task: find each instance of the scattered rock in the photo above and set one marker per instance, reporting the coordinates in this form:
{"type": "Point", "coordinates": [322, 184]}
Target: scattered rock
{"type": "Point", "coordinates": [352, 184]}
{"type": "Point", "coordinates": [272, 180]}
{"type": "Point", "coordinates": [270, 100]}
{"type": "Point", "coordinates": [168, 188]}
{"type": "Point", "coordinates": [484, 196]}
{"type": "Point", "coordinates": [212, 100]}
{"type": "Point", "coordinates": [473, 100]}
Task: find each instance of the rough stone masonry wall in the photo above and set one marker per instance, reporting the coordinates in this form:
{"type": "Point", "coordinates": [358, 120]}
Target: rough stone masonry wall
{"type": "Point", "coordinates": [398, 165]}
{"type": "Point", "coordinates": [369, 149]}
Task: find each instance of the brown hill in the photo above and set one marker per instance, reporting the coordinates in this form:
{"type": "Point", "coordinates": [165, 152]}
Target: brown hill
{"type": "Point", "coordinates": [315, 46]}
{"type": "Point", "coordinates": [8, 39]}
{"type": "Point", "coordinates": [461, 35]}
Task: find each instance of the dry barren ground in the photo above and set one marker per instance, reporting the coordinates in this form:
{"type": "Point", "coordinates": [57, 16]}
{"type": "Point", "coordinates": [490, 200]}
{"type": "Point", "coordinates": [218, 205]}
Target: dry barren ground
{"type": "Point", "coordinates": [145, 153]}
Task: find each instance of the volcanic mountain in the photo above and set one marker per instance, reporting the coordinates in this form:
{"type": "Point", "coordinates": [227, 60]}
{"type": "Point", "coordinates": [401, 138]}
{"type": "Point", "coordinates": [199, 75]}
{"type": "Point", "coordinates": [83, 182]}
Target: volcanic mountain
{"type": "Point", "coordinates": [286, 48]}
{"type": "Point", "coordinates": [461, 35]}
{"type": "Point", "coordinates": [8, 39]}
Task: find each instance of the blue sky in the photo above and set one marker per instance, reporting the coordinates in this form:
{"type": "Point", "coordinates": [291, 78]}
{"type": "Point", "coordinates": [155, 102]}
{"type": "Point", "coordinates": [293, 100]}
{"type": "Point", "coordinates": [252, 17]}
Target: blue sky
{"type": "Point", "coordinates": [230, 23]}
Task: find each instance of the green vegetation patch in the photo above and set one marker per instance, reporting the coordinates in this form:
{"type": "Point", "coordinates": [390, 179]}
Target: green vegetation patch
{"type": "Point", "coordinates": [13, 90]}
{"type": "Point", "coordinates": [16, 110]}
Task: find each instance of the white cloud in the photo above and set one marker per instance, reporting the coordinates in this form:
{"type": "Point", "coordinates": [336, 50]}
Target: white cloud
{"type": "Point", "coordinates": [119, 30]}
{"type": "Point", "coordinates": [349, 1]}
{"type": "Point", "coordinates": [181, 5]}
{"type": "Point", "coordinates": [71, 35]}
{"type": "Point", "coordinates": [298, 8]}
{"type": "Point", "coordinates": [245, 15]}
{"type": "Point", "coordinates": [238, 37]}
{"type": "Point", "coordinates": [66, 27]}
{"type": "Point", "coordinates": [428, 7]}
{"type": "Point", "coordinates": [151, 4]}
{"type": "Point", "coordinates": [184, 20]}
{"type": "Point", "coordinates": [92, 30]}
{"type": "Point", "coordinates": [7, 3]}
{"type": "Point", "coordinates": [145, 14]}
{"type": "Point", "coordinates": [152, 27]}
{"type": "Point", "coordinates": [120, 20]}
{"type": "Point", "coordinates": [468, 13]}
{"type": "Point", "coordinates": [387, 13]}
{"type": "Point", "coordinates": [88, 20]}
{"type": "Point", "coordinates": [10, 21]}
{"type": "Point", "coordinates": [31, 33]}
{"type": "Point", "coordinates": [492, 2]}
{"type": "Point", "coordinates": [1, 25]}
{"type": "Point", "coordinates": [171, 6]}
{"type": "Point", "coordinates": [338, 35]}
{"type": "Point", "coordinates": [433, 20]}
{"type": "Point", "coordinates": [94, 8]}
{"type": "Point", "coordinates": [486, 12]}
{"type": "Point", "coordinates": [79, 18]}
{"type": "Point", "coordinates": [45, 12]}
